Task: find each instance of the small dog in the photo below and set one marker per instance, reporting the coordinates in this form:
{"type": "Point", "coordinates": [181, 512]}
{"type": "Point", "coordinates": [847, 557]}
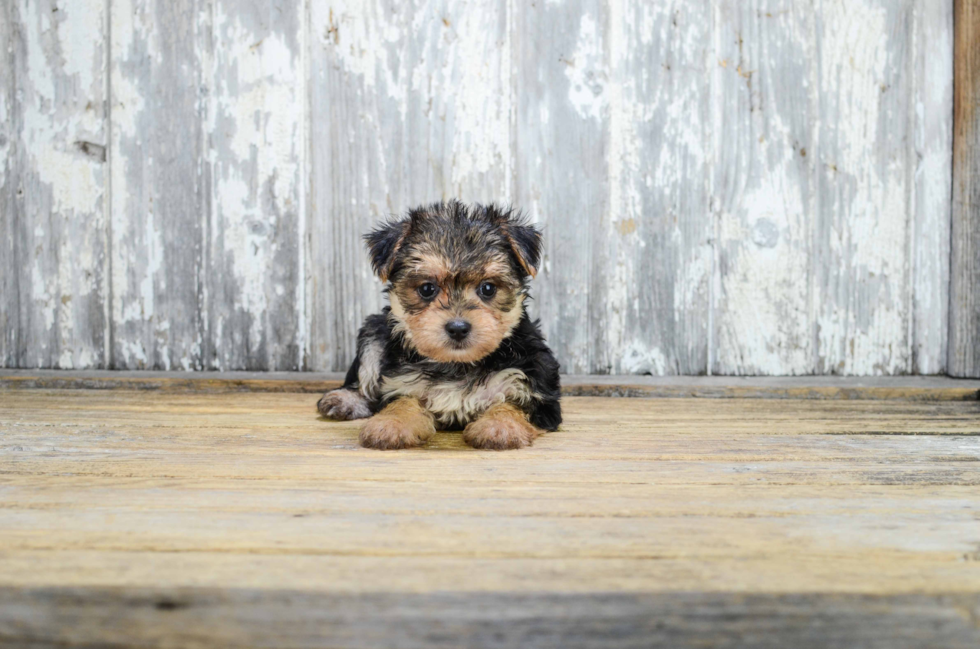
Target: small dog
{"type": "Point", "coordinates": [455, 349]}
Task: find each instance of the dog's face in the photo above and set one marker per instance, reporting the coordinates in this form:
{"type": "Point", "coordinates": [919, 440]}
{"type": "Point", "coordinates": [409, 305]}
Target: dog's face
{"type": "Point", "coordinates": [457, 277]}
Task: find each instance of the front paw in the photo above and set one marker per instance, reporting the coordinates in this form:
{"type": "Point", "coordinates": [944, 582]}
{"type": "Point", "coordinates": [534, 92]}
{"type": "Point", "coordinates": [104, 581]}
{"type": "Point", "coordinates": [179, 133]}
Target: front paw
{"type": "Point", "coordinates": [500, 428]}
{"type": "Point", "coordinates": [344, 404]}
{"type": "Point", "coordinates": [388, 432]}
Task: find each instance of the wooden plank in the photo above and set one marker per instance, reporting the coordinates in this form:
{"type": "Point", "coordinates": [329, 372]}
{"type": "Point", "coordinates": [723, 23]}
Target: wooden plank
{"type": "Point", "coordinates": [56, 185]}
{"type": "Point", "coordinates": [561, 145]}
{"type": "Point", "coordinates": [763, 186]}
{"type": "Point", "coordinates": [412, 105]}
{"type": "Point", "coordinates": [160, 183]}
{"type": "Point", "coordinates": [9, 181]}
{"type": "Point", "coordinates": [257, 132]}
{"type": "Point", "coordinates": [812, 387]}
{"type": "Point", "coordinates": [932, 58]}
{"type": "Point", "coordinates": [142, 519]}
{"type": "Point", "coordinates": [151, 617]}
{"type": "Point", "coordinates": [964, 287]}
{"type": "Point", "coordinates": [861, 232]}
{"type": "Point", "coordinates": [657, 223]}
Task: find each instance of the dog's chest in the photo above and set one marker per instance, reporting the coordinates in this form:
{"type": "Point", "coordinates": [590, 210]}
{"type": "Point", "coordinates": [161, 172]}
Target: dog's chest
{"type": "Point", "coordinates": [457, 402]}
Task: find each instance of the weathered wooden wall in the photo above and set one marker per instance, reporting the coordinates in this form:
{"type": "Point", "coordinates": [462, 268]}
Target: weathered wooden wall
{"type": "Point", "coordinates": [726, 187]}
{"type": "Point", "coordinates": [964, 331]}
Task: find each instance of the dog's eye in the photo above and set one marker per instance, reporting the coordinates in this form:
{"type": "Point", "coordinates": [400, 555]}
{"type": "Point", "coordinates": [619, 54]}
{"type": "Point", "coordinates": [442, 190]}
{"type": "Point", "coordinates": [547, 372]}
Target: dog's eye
{"type": "Point", "coordinates": [487, 290]}
{"type": "Point", "coordinates": [428, 291]}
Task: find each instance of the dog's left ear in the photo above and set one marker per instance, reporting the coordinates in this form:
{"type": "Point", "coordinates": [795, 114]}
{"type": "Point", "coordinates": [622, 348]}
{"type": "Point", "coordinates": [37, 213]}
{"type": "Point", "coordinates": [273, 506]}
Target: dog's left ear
{"type": "Point", "coordinates": [525, 241]}
{"type": "Point", "coordinates": [383, 242]}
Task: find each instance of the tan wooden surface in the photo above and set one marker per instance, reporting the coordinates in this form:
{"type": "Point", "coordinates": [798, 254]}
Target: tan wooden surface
{"type": "Point", "coordinates": [115, 504]}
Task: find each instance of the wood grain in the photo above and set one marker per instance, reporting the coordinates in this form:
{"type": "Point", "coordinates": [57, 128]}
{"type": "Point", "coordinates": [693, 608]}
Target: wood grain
{"type": "Point", "coordinates": [9, 128]}
{"type": "Point", "coordinates": [964, 287]}
{"type": "Point", "coordinates": [151, 519]}
{"type": "Point", "coordinates": [704, 387]}
{"type": "Point", "coordinates": [160, 184]}
{"type": "Point", "coordinates": [55, 186]}
{"type": "Point", "coordinates": [256, 264]}
{"type": "Point", "coordinates": [659, 223]}
{"type": "Point", "coordinates": [412, 104]}
{"type": "Point", "coordinates": [126, 616]}
{"type": "Point", "coordinates": [932, 186]}
{"type": "Point", "coordinates": [725, 187]}
{"type": "Point", "coordinates": [562, 83]}
{"type": "Point", "coordinates": [762, 185]}
{"type": "Point", "coordinates": [862, 225]}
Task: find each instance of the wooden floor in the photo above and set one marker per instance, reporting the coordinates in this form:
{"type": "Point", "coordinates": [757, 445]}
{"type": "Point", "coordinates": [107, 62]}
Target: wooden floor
{"type": "Point", "coordinates": [184, 520]}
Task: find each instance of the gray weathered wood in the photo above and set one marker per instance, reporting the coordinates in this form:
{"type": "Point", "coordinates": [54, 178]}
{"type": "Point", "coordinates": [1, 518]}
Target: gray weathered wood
{"type": "Point", "coordinates": [861, 224]}
{"type": "Point", "coordinates": [653, 272]}
{"type": "Point", "coordinates": [160, 177]}
{"type": "Point", "coordinates": [192, 618]}
{"type": "Point", "coordinates": [561, 142]}
{"type": "Point", "coordinates": [9, 178]}
{"type": "Point", "coordinates": [762, 186]}
{"type": "Point", "coordinates": [932, 58]}
{"type": "Point", "coordinates": [410, 104]}
{"type": "Point", "coordinates": [756, 187]}
{"type": "Point", "coordinates": [964, 320]}
{"type": "Point", "coordinates": [56, 193]}
{"type": "Point", "coordinates": [255, 270]}
{"type": "Point", "coordinates": [889, 388]}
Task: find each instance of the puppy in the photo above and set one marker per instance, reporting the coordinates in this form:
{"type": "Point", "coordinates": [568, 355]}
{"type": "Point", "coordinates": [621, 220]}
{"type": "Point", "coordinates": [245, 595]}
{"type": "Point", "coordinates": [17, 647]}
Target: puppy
{"type": "Point", "coordinates": [455, 350]}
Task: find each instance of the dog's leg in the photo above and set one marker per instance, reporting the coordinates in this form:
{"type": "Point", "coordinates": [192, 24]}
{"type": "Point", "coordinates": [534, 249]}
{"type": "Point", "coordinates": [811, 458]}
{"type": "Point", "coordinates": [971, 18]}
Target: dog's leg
{"type": "Point", "coordinates": [344, 404]}
{"type": "Point", "coordinates": [360, 390]}
{"type": "Point", "coordinates": [403, 423]}
{"type": "Point", "coordinates": [501, 427]}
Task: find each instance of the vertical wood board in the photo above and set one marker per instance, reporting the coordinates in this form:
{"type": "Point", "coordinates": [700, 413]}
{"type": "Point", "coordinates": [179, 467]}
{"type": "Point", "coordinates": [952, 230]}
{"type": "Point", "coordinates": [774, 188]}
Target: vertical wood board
{"type": "Point", "coordinates": [56, 193]}
{"type": "Point", "coordinates": [159, 183]}
{"type": "Point", "coordinates": [654, 254]}
{"type": "Point", "coordinates": [256, 123]}
{"type": "Point", "coordinates": [410, 103]}
{"type": "Point", "coordinates": [561, 143]}
{"type": "Point", "coordinates": [762, 186]}
{"type": "Point", "coordinates": [964, 297]}
{"type": "Point", "coordinates": [932, 154]}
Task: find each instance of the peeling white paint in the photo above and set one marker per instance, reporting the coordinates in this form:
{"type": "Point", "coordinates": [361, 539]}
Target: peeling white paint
{"type": "Point", "coordinates": [637, 359]}
{"type": "Point", "coordinates": [586, 71]}
{"type": "Point", "coordinates": [867, 332]}
{"type": "Point", "coordinates": [451, 98]}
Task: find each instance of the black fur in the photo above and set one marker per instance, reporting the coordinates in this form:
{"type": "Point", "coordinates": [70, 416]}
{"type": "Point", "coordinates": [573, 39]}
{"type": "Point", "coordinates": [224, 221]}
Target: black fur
{"type": "Point", "coordinates": [382, 245]}
{"type": "Point", "coordinates": [469, 236]}
{"type": "Point", "coordinates": [525, 349]}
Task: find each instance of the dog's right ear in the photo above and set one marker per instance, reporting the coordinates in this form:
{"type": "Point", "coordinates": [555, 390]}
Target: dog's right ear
{"type": "Point", "coordinates": [383, 243]}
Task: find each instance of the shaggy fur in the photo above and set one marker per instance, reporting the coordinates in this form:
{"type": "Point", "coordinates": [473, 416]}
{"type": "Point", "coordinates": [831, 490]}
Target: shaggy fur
{"type": "Point", "coordinates": [456, 343]}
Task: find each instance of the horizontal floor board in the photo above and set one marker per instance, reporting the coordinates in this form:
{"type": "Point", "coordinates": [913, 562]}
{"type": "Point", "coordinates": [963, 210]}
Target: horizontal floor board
{"type": "Point", "coordinates": [924, 388]}
{"type": "Point", "coordinates": [192, 618]}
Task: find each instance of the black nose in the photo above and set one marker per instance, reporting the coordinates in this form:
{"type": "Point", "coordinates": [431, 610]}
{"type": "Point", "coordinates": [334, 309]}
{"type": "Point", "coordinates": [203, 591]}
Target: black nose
{"type": "Point", "coordinates": [458, 329]}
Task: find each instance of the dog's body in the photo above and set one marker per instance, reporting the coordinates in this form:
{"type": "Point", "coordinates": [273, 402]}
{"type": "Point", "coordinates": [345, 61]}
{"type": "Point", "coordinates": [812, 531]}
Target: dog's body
{"type": "Point", "coordinates": [456, 348]}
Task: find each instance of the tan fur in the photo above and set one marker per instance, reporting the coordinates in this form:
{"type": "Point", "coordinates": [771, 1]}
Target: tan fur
{"type": "Point", "coordinates": [403, 423]}
{"type": "Point", "coordinates": [504, 426]}
{"type": "Point", "coordinates": [426, 330]}
{"type": "Point", "coordinates": [430, 265]}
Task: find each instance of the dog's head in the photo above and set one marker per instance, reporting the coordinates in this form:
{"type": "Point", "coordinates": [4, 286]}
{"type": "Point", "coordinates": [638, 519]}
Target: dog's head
{"type": "Point", "coordinates": [457, 276]}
